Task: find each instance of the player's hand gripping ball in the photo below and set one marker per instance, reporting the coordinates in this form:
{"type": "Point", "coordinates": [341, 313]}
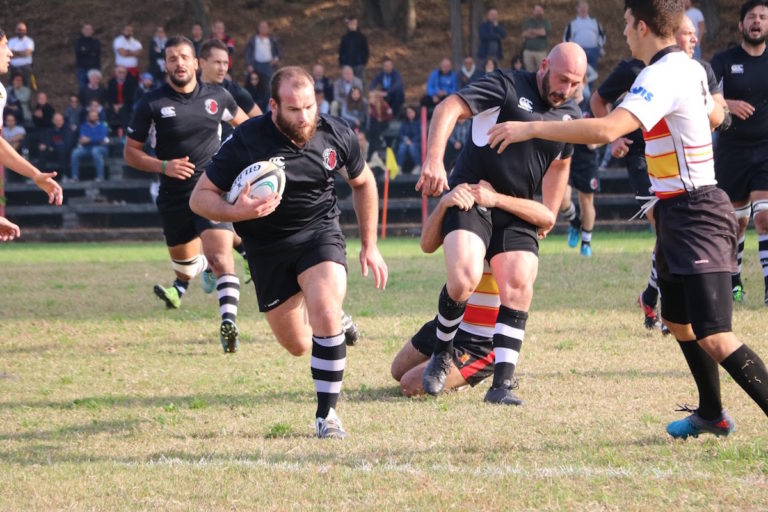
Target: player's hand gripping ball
{"type": "Point", "coordinates": [266, 178]}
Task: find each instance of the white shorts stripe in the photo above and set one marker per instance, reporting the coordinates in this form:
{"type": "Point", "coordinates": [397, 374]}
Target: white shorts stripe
{"type": "Point", "coordinates": [323, 386]}
{"type": "Point", "coordinates": [510, 332]}
{"type": "Point", "coordinates": [506, 355]}
{"type": "Point", "coordinates": [335, 365]}
{"type": "Point", "coordinates": [449, 323]}
{"type": "Point", "coordinates": [478, 330]}
{"type": "Point", "coordinates": [333, 341]}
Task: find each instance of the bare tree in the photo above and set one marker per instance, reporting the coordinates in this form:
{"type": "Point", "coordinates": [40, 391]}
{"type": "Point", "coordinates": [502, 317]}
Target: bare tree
{"type": "Point", "coordinates": [711, 11]}
{"type": "Point", "coordinates": [476, 12]}
{"type": "Point", "coordinates": [398, 16]}
{"type": "Point", "coordinates": [457, 34]}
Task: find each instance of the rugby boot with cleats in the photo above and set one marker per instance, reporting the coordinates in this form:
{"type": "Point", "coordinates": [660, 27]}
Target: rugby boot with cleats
{"type": "Point", "coordinates": [169, 295]}
{"type": "Point", "coordinates": [738, 293]}
{"type": "Point", "coordinates": [651, 320]}
{"type": "Point", "coordinates": [503, 394]}
{"type": "Point", "coordinates": [330, 427]}
{"type": "Point", "coordinates": [208, 281]}
{"type": "Point", "coordinates": [694, 425]}
{"type": "Point", "coordinates": [351, 334]}
{"type": "Point", "coordinates": [586, 251]}
{"type": "Point", "coordinates": [229, 336]}
{"type": "Point", "coordinates": [436, 372]}
{"type": "Point", "coordinates": [574, 235]}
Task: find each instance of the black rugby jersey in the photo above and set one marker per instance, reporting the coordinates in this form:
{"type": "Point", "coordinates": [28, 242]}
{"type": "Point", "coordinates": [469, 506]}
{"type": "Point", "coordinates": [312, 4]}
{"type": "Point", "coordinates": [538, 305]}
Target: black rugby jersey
{"type": "Point", "coordinates": [744, 78]}
{"type": "Point", "coordinates": [509, 96]}
{"type": "Point", "coordinates": [309, 201]}
{"type": "Point", "coordinates": [180, 125]}
{"type": "Point", "coordinates": [243, 99]}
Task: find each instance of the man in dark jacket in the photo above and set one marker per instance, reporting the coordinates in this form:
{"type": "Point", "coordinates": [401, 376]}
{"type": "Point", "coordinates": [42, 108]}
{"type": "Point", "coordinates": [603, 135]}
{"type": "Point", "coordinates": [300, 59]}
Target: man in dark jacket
{"type": "Point", "coordinates": [87, 54]}
{"type": "Point", "coordinates": [353, 50]}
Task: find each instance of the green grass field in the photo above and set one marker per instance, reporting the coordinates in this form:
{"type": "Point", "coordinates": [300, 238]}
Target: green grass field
{"type": "Point", "coordinates": [110, 402]}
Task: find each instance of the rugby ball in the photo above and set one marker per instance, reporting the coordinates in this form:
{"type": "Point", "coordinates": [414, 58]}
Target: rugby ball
{"type": "Point", "coordinates": [266, 178]}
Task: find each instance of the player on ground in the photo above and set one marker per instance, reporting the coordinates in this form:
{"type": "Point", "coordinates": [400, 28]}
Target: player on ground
{"type": "Point", "coordinates": [10, 158]}
{"type": "Point", "coordinates": [295, 247]}
{"type": "Point", "coordinates": [695, 223]}
{"type": "Point", "coordinates": [507, 241]}
{"type": "Point", "coordinates": [182, 119]}
{"type": "Point", "coordinates": [472, 358]}
{"type": "Point", "coordinates": [632, 146]}
{"type": "Point", "coordinates": [741, 154]}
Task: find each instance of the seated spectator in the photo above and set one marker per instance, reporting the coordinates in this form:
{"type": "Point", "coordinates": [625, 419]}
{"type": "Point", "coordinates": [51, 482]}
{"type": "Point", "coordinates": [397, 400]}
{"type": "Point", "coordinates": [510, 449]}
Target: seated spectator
{"type": "Point", "coordinates": [74, 114]}
{"type": "Point", "coordinates": [13, 106]}
{"type": "Point", "coordinates": [517, 63]}
{"type": "Point", "coordinates": [442, 82]}
{"type": "Point", "coordinates": [13, 133]}
{"type": "Point", "coordinates": [98, 107]}
{"type": "Point", "coordinates": [157, 56]}
{"type": "Point", "coordinates": [355, 110]}
{"type": "Point", "coordinates": [93, 90]}
{"type": "Point", "coordinates": [23, 95]}
{"type": "Point", "coordinates": [92, 142]}
{"type": "Point", "coordinates": [379, 116]}
{"type": "Point", "coordinates": [323, 107]}
{"type": "Point", "coordinates": [489, 66]}
{"type": "Point", "coordinates": [87, 54]}
{"type": "Point", "coordinates": [258, 88]}
{"type": "Point", "coordinates": [342, 87]}
{"type": "Point", "coordinates": [457, 140]}
{"type": "Point", "coordinates": [468, 72]}
{"type": "Point", "coordinates": [390, 81]}
{"type": "Point", "coordinates": [409, 141]}
{"type": "Point", "coordinates": [121, 90]}
{"type": "Point", "coordinates": [146, 84]}
{"type": "Point", "coordinates": [55, 144]}
{"type": "Point", "coordinates": [318, 74]}
{"type": "Point", "coordinates": [42, 115]}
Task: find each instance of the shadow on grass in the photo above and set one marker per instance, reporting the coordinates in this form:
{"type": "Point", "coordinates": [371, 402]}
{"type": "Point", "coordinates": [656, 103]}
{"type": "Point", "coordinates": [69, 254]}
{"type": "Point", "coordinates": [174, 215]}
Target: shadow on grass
{"type": "Point", "coordinates": [84, 429]}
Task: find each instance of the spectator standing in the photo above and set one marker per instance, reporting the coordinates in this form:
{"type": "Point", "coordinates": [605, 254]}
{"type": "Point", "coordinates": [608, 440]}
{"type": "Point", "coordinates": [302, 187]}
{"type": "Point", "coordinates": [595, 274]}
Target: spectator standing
{"type": "Point", "coordinates": [353, 49]}
{"type": "Point", "coordinates": [262, 52]}
{"type": "Point", "coordinates": [441, 83]}
{"type": "Point", "coordinates": [409, 141]}
{"type": "Point", "coordinates": [536, 31]}
{"type": "Point", "coordinates": [355, 110]}
{"type": "Point", "coordinates": [318, 74]}
{"type": "Point", "coordinates": [490, 32]}
{"type": "Point", "coordinates": [92, 142]}
{"type": "Point", "coordinates": [258, 88]}
{"type": "Point", "coordinates": [42, 115]}
{"type": "Point", "coordinates": [587, 33]}
{"type": "Point", "coordinates": [93, 90]}
{"type": "Point", "coordinates": [697, 17]}
{"type": "Point", "coordinates": [87, 54]}
{"type": "Point", "coordinates": [56, 143]}
{"type": "Point", "coordinates": [219, 32]}
{"type": "Point", "coordinates": [380, 113]}
{"type": "Point", "coordinates": [121, 90]}
{"type": "Point", "coordinates": [342, 87]}
{"type": "Point", "coordinates": [127, 51]}
{"type": "Point", "coordinates": [13, 133]}
{"type": "Point", "coordinates": [157, 56]}
{"type": "Point", "coordinates": [146, 84]}
{"type": "Point", "coordinates": [22, 47]}
{"type": "Point", "coordinates": [197, 37]}
{"type": "Point", "coordinates": [389, 81]}
{"type": "Point", "coordinates": [23, 95]}
{"type": "Point", "coordinates": [469, 72]}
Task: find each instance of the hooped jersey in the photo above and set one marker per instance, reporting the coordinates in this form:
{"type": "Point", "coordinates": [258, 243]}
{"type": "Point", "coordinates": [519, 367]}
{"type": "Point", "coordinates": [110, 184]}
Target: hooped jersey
{"type": "Point", "coordinates": [671, 99]}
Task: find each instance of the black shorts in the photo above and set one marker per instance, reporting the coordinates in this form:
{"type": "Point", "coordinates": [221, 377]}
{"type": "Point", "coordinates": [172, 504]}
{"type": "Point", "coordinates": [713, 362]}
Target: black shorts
{"type": "Point", "coordinates": [741, 169]}
{"type": "Point", "coordinates": [181, 224]}
{"type": "Point", "coordinates": [695, 234]}
{"type": "Point", "coordinates": [584, 178]}
{"type": "Point", "coordinates": [637, 172]}
{"type": "Point", "coordinates": [275, 273]}
{"type": "Point", "coordinates": [499, 231]}
{"type": "Point", "coordinates": [702, 300]}
{"type": "Point", "coordinates": [472, 355]}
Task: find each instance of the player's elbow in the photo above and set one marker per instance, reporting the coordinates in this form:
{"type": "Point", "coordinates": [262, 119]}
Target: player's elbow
{"type": "Point", "coordinates": [547, 221]}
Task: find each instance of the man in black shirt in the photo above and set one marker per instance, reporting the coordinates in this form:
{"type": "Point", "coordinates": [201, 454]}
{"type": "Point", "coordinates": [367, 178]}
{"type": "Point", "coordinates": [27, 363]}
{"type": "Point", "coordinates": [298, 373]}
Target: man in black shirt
{"type": "Point", "coordinates": [741, 153]}
{"type": "Point", "coordinates": [182, 118]}
{"type": "Point", "coordinates": [87, 54]}
{"type": "Point", "coordinates": [295, 247]}
{"type": "Point", "coordinates": [507, 241]}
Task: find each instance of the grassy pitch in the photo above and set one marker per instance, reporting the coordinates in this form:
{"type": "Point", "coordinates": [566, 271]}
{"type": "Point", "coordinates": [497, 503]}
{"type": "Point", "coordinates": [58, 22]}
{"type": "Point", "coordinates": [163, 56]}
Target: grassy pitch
{"type": "Point", "coordinates": [110, 402]}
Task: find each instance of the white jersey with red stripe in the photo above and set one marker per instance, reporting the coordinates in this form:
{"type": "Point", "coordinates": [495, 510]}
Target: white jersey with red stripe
{"type": "Point", "coordinates": [672, 101]}
{"type": "Point", "coordinates": [482, 307]}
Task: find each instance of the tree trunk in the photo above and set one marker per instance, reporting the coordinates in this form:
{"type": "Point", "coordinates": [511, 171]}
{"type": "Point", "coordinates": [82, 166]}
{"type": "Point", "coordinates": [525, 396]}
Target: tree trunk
{"type": "Point", "coordinates": [200, 15]}
{"type": "Point", "coordinates": [711, 11]}
{"type": "Point", "coordinates": [398, 16]}
{"type": "Point", "coordinates": [477, 10]}
{"type": "Point", "coordinates": [457, 35]}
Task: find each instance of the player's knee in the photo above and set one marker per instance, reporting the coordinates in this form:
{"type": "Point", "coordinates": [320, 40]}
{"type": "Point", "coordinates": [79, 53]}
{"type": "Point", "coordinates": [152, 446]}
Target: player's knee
{"type": "Point", "coordinates": [297, 349]}
{"type": "Point", "coordinates": [410, 384]}
{"type": "Point", "coordinates": [397, 370]}
{"type": "Point", "coordinates": [760, 215]}
{"type": "Point", "coordinates": [191, 267]}
{"type": "Point", "coordinates": [217, 263]}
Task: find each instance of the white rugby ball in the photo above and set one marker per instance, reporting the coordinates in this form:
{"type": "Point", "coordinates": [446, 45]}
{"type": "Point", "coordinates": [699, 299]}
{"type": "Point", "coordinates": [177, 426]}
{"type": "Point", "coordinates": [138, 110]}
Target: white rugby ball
{"type": "Point", "coordinates": [265, 178]}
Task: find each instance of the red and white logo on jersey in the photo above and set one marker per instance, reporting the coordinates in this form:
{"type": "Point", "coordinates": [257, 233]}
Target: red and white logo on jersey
{"type": "Point", "coordinates": [211, 106]}
{"type": "Point", "coordinates": [330, 159]}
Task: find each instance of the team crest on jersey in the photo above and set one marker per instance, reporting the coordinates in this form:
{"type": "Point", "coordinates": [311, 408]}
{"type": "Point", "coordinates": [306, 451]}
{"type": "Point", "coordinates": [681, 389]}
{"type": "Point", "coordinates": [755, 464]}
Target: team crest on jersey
{"type": "Point", "coordinates": [737, 69]}
{"type": "Point", "coordinates": [330, 159]}
{"type": "Point", "coordinates": [211, 106]}
{"type": "Point", "coordinates": [525, 104]}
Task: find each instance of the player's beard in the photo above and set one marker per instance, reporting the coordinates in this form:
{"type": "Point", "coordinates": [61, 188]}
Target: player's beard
{"type": "Point", "coordinates": [753, 41]}
{"type": "Point", "coordinates": [180, 82]}
{"type": "Point", "coordinates": [298, 135]}
{"type": "Point", "coordinates": [548, 94]}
